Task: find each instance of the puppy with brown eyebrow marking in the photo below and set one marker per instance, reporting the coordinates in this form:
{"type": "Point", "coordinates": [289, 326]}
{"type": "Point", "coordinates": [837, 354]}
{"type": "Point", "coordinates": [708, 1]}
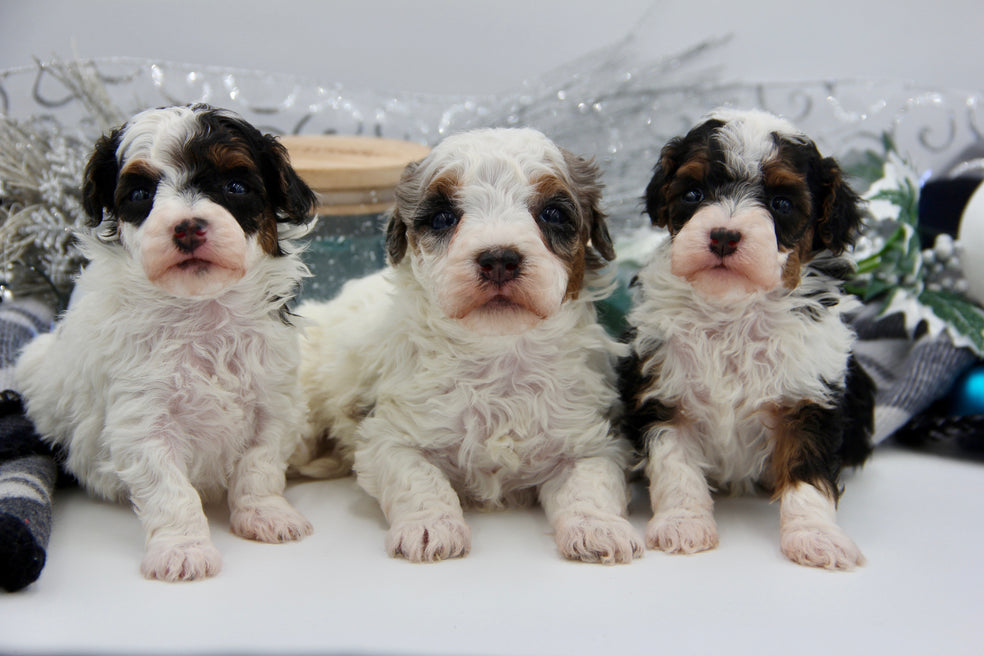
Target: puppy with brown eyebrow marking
{"type": "Point", "coordinates": [473, 370]}
{"type": "Point", "coordinates": [741, 371]}
{"type": "Point", "coordinates": [173, 374]}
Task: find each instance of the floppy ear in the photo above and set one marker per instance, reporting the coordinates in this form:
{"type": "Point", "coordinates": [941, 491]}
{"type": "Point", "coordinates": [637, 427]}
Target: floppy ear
{"type": "Point", "coordinates": [293, 199]}
{"type": "Point", "coordinates": [837, 208]}
{"type": "Point", "coordinates": [406, 197]}
{"type": "Point", "coordinates": [655, 198]}
{"type": "Point", "coordinates": [99, 178]}
{"type": "Point", "coordinates": [396, 238]}
{"type": "Point", "coordinates": [586, 177]}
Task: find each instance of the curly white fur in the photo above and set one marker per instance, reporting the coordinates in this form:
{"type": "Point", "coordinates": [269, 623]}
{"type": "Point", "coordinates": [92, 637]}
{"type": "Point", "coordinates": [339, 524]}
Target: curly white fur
{"type": "Point", "coordinates": [737, 333]}
{"type": "Point", "coordinates": [727, 363]}
{"type": "Point", "coordinates": [161, 398]}
{"type": "Point", "coordinates": [435, 407]}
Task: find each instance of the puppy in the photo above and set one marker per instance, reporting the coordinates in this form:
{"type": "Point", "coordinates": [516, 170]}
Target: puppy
{"type": "Point", "coordinates": [174, 370]}
{"type": "Point", "coordinates": [741, 371]}
{"type": "Point", "coordinates": [473, 370]}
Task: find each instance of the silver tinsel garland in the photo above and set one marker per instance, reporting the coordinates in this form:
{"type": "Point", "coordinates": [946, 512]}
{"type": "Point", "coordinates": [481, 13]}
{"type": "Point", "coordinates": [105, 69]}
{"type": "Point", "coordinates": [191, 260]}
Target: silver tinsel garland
{"type": "Point", "coordinates": [41, 165]}
{"type": "Point", "coordinates": [40, 170]}
{"type": "Point", "coordinates": [613, 104]}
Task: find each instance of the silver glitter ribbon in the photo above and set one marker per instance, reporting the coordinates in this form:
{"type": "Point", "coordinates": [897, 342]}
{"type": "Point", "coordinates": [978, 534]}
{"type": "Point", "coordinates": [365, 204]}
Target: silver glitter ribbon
{"type": "Point", "coordinates": [612, 104]}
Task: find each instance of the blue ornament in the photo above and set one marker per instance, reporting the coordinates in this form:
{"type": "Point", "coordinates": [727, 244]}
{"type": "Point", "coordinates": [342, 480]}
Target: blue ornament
{"type": "Point", "coordinates": [968, 393]}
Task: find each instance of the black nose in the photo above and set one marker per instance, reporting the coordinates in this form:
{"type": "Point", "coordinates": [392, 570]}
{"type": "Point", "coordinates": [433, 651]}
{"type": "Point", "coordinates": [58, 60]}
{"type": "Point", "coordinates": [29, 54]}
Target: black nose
{"type": "Point", "coordinates": [190, 234]}
{"type": "Point", "coordinates": [499, 265]}
{"type": "Point", "coordinates": [724, 242]}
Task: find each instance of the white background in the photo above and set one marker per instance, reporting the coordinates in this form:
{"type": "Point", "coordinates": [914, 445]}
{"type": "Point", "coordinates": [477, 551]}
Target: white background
{"type": "Point", "coordinates": [917, 517]}
{"type": "Point", "coordinates": [477, 46]}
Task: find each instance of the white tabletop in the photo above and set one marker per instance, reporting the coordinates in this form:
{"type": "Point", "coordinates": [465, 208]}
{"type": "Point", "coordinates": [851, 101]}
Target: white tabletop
{"type": "Point", "coordinates": [916, 516]}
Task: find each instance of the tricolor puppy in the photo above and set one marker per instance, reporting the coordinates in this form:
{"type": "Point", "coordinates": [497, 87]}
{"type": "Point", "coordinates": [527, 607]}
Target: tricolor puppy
{"type": "Point", "coordinates": [473, 370]}
{"type": "Point", "coordinates": [741, 373]}
{"type": "Point", "coordinates": [174, 371]}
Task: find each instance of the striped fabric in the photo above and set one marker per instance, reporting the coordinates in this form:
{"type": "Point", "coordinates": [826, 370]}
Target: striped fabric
{"type": "Point", "coordinates": [910, 372]}
{"type": "Point", "coordinates": [20, 321]}
{"type": "Point", "coordinates": [27, 470]}
{"type": "Point", "coordinates": [26, 485]}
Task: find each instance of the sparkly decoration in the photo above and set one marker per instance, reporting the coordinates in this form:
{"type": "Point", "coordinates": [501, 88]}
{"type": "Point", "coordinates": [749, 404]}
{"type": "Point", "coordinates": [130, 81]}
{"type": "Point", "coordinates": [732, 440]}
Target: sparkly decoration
{"type": "Point", "coordinates": [926, 286]}
{"type": "Point", "coordinates": [612, 104]}
{"type": "Point", "coordinates": [40, 204]}
{"type": "Point", "coordinates": [41, 164]}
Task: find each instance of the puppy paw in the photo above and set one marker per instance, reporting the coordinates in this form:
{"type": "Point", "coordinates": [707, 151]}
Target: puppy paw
{"type": "Point", "coordinates": [180, 560]}
{"type": "Point", "coordinates": [429, 540]}
{"type": "Point", "coordinates": [682, 531]}
{"type": "Point", "coordinates": [815, 546]}
{"type": "Point", "coordinates": [270, 520]}
{"type": "Point", "coordinates": [607, 540]}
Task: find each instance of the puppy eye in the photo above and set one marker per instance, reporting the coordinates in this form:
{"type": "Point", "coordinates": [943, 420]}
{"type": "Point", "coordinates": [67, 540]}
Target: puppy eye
{"type": "Point", "coordinates": [139, 195]}
{"type": "Point", "coordinates": [781, 205]}
{"type": "Point", "coordinates": [236, 187]}
{"type": "Point", "coordinates": [693, 196]}
{"type": "Point", "coordinates": [553, 215]}
{"type": "Point", "coordinates": [443, 219]}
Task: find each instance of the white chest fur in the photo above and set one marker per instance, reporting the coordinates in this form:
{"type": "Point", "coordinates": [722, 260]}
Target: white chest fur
{"type": "Point", "coordinates": [725, 366]}
{"type": "Point", "coordinates": [499, 415]}
{"type": "Point", "coordinates": [123, 369]}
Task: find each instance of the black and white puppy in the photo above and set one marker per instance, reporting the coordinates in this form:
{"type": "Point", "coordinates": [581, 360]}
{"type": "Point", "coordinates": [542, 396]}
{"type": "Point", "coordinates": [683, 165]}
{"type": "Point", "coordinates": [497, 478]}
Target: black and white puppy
{"type": "Point", "coordinates": [173, 374]}
{"type": "Point", "coordinates": [473, 371]}
{"type": "Point", "coordinates": [741, 371]}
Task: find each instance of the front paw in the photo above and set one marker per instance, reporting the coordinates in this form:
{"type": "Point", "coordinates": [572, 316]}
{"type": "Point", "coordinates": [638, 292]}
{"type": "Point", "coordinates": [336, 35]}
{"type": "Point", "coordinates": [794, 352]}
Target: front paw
{"type": "Point", "coordinates": [429, 539]}
{"type": "Point", "coordinates": [820, 546]}
{"type": "Point", "coordinates": [269, 520]}
{"type": "Point", "coordinates": [608, 540]}
{"type": "Point", "coordinates": [682, 531]}
{"type": "Point", "coordinates": [180, 559]}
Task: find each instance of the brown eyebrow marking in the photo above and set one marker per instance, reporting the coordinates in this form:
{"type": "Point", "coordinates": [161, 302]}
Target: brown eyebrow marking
{"type": "Point", "coordinates": [695, 168]}
{"type": "Point", "coordinates": [777, 174]}
{"type": "Point", "coordinates": [549, 185]}
{"type": "Point", "coordinates": [446, 185]}
{"type": "Point", "coordinates": [141, 168]}
{"type": "Point", "coordinates": [228, 158]}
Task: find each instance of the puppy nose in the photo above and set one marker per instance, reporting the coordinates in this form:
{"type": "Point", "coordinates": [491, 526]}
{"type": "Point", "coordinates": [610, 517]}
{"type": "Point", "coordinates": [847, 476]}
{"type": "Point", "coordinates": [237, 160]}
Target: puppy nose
{"type": "Point", "coordinates": [724, 242]}
{"type": "Point", "coordinates": [190, 234]}
{"type": "Point", "coordinates": [499, 265]}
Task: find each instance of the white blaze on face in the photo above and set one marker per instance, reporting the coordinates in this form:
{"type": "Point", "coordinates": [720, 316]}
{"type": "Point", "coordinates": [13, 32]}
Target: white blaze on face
{"type": "Point", "coordinates": [515, 306]}
{"type": "Point", "coordinates": [222, 257]}
{"type": "Point", "coordinates": [492, 188]}
{"type": "Point", "coordinates": [755, 265]}
{"type": "Point", "coordinates": [220, 254]}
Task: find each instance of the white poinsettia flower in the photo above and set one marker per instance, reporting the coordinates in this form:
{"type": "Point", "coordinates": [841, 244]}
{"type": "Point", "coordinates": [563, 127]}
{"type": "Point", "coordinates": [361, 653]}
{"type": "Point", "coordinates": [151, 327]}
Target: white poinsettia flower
{"type": "Point", "coordinates": [897, 175]}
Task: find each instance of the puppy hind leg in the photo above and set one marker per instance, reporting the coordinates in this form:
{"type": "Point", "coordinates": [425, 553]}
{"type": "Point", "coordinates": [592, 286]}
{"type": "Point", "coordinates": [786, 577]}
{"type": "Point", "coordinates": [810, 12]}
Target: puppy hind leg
{"type": "Point", "coordinates": [319, 454]}
{"type": "Point", "coordinates": [423, 510]}
{"type": "Point", "coordinates": [258, 508]}
{"type": "Point", "coordinates": [586, 505]}
{"type": "Point", "coordinates": [683, 510]}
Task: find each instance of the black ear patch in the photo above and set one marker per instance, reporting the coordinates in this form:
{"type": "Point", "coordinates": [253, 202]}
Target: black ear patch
{"type": "Point", "coordinates": [656, 189]}
{"type": "Point", "coordinates": [837, 208]}
{"type": "Point", "coordinates": [291, 197]}
{"type": "Point", "coordinates": [292, 200]}
{"type": "Point", "coordinates": [99, 178]}
{"type": "Point", "coordinates": [671, 157]}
